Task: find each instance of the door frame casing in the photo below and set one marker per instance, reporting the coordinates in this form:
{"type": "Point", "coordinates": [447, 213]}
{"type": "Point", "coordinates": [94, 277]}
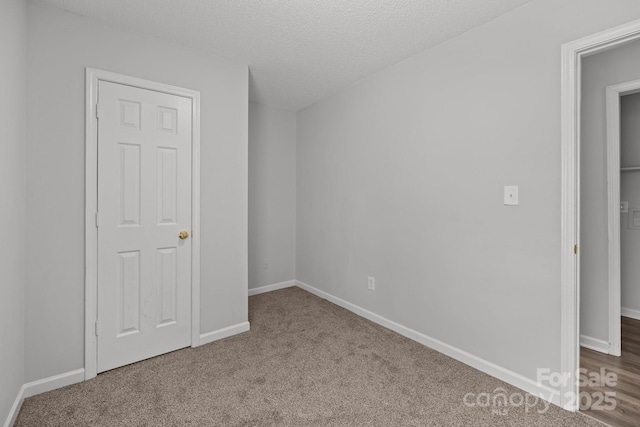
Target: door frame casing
{"type": "Point", "coordinates": [572, 54]}
{"type": "Point", "coordinates": [93, 77]}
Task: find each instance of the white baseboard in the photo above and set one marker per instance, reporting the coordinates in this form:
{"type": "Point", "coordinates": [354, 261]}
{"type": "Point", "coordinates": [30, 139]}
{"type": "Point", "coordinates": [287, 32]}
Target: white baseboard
{"type": "Point", "coordinates": [594, 344]}
{"type": "Point", "coordinates": [15, 409]}
{"type": "Point", "coordinates": [274, 287]}
{"type": "Point", "coordinates": [629, 312]}
{"type": "Point", "coordinates": [42, 386]}
{"type": "Point", "coordinates": [208, 337]}
{"type": "Point", "coordinates": [54, 382]}
{"type": "Point", "coordinates": [513, 378]}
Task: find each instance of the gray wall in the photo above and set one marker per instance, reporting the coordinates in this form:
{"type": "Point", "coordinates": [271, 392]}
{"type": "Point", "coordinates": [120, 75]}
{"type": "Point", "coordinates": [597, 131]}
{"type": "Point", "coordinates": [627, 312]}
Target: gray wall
{"type": "Point", "coordinates": [13, 89]}
{"type": "Point", "coordinates": [272, 195]}
{"type": "Point", "coordinates": [60, 46]}
{"type": "Point", "coordinates": [401, 177]}
{"type": "Point", "coordinates": [630, 191]}
{"type": "Point", "coordinates": [598, 71]}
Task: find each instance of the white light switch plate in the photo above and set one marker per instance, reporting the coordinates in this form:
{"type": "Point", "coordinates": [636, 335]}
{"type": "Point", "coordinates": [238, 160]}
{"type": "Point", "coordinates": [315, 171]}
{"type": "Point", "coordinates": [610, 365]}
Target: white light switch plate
{"type": "Point", "coordinates": [511, 195]}
{"type": "Point", "coordinates": [624, 207]}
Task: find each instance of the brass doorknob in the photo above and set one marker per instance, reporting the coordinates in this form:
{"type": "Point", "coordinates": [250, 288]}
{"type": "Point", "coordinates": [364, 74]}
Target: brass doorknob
{"type": "Point", "coordinates": [183, 235]}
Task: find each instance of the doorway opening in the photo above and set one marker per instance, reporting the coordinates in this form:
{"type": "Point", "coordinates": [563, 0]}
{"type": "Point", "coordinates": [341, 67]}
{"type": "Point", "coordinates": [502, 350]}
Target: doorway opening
{"type": "Point", "coordinates": [572, 56]}
{"type": "Point", "coordinates": [609, 351]}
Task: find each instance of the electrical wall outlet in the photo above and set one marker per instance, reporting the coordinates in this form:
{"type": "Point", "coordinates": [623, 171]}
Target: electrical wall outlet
{"type": "Point", "coordinates": [266, 266]}
{"type": "Point", "coordinates": [371, 283]}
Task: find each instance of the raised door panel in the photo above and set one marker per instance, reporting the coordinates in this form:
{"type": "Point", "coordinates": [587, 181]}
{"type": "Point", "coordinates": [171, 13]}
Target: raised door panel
{"type": "Point", "coordinates": [167, 168]}
{"type": "Point", "coordinates": [129, 188]}
{"type": "Point", "coordinates": [128, 288]}
{"type": "Point", "coordinates": [167, 286]}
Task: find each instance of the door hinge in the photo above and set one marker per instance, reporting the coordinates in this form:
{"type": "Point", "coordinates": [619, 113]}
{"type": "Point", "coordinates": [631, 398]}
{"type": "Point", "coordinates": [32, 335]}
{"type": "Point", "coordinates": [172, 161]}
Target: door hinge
{"type": "Point", "coordinates": [96, 328]}
{"type": "Point", "coordinates": [97, 219]}
{"type": "Point", "coordinates": [575, 249]}
{"type": "Point", "coordinates": [98, 111]}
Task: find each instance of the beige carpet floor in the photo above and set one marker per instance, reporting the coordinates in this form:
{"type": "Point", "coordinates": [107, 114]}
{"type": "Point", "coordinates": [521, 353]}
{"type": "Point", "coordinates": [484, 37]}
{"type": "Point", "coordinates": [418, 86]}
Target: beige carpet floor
{"type": "Point", "coordinates": [305, 362]}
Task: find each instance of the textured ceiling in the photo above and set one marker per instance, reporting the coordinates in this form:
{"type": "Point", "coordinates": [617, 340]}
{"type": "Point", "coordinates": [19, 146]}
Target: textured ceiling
{"type": "Point", "coordinates": [299, 51]}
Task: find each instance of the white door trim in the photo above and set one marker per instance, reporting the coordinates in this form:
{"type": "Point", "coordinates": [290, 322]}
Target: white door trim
{"type": "Point", "coordinates": [613, 186]}
{"type": "Point", "coordinates": [572, 54]}
{"type": "Point", "coordinates": [93, 76]}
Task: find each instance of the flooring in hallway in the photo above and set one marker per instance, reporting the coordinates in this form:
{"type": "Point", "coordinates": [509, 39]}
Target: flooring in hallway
{"type": "Point", "coordinates": [627, 388]}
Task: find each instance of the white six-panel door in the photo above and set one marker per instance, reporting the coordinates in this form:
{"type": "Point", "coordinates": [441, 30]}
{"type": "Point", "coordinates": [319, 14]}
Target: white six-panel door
{"type": "Point", "coordinates": [144, 203]}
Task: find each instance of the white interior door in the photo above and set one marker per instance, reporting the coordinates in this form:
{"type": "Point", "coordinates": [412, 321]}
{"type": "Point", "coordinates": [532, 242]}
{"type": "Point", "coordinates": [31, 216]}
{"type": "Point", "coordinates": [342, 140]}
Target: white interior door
{"type": "Point", "coordinates": [144, 203]}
